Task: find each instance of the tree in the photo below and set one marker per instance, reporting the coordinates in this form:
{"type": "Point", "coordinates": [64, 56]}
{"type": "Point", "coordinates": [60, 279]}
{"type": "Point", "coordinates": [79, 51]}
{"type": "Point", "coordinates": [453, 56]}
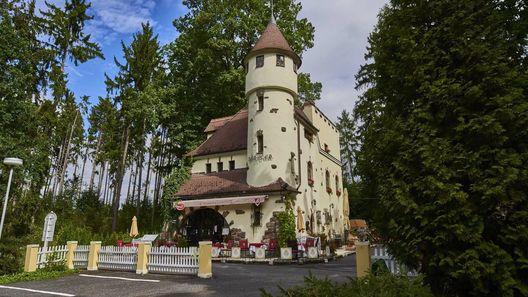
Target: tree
{"type": "Point", "coordinates": [444, 127]}
{"type": "Point", "coordinates": [349, 145]}
{"type": "Point", "coordinates": [137, 98]}
{"type": "Point", "coordinates": [206, 77]}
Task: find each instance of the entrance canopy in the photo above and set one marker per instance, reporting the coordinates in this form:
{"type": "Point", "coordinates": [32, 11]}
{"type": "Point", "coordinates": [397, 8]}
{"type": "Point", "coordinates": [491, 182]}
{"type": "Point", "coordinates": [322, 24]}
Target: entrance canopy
{"type": "Point", "coordinates": [257, 200]}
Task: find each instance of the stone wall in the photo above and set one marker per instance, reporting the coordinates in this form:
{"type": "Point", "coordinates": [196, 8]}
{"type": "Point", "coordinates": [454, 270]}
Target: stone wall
{"type": "Point", "coordinates": [272, 228]}
{"type": "Point", "coordinates": [237, 234]}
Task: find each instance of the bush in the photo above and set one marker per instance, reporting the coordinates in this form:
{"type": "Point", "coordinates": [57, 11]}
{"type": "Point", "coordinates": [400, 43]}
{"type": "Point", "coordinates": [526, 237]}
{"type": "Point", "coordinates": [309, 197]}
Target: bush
{"type": "Point", "coordinates": [286, 226]}
{"type": "Point", "coordinates": [11, 255]}
{"type": "Point", "coordinates": [383, 285]}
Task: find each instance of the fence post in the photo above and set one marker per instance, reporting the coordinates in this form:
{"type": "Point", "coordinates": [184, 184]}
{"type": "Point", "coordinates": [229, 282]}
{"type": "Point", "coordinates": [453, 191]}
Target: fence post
{"type": "Point", "coordinates": [30, 263]}
{"type": "Point", "coordinates": [205, 269]}
{"type": "Point", "coordinates": [70, 255]}
{"type": "Point", "coordinates": [93, 255]}
{"type": "Point", "coordinates": [362, 258]}
{"type": "Point", "coordinates": [142, 257]}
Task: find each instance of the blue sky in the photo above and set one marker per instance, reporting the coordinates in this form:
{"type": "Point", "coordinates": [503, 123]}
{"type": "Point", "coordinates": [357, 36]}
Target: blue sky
{"type": "Point", "coordinates": [341, 31]}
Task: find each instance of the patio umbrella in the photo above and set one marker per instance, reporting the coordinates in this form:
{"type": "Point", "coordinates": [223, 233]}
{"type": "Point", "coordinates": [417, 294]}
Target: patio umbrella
{"type": "Point", "coordinates": [346, 209]}
{"type": "Point", "coordinates": [134, 228]}
{"type": "Point", "coordinates": [300, 220]}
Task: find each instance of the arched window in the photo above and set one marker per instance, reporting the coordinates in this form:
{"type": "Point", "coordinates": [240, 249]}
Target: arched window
{"type": "Point", "coordinates": [328, 188]}
{"type": "Point", "coordinates": [310, 173]}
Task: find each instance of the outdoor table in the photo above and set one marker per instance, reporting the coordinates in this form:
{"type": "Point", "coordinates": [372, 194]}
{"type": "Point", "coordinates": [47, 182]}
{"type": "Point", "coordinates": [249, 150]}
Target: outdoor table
{"type": "Point", "coordinates": [254, 246]}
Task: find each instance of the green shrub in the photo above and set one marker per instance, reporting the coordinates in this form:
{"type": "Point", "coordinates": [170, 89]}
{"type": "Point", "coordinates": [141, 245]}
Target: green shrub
{"type": "Point", "coordinates": [53, 263]}
{"type": "Point", "coordinates": [286, 226]}
{"type": "Point", "coordinates": [11, 255]}
{"type": "Point", "coordinates": [382, 285]}
{"type": "Point", "coordinates": [40, 274]}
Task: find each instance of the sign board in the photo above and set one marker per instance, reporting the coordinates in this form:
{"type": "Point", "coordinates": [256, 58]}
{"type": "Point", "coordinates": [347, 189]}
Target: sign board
{"type": "Point", "coordinates": [49, 227]}
{"type": "Point", "coordinates": [180, 206]}
{"type": "Point", "coordinates": [225, 231]}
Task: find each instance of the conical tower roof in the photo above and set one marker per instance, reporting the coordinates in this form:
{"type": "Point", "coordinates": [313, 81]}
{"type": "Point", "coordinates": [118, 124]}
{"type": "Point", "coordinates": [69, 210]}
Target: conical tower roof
{"type": "Point", "coordinates": [272, 40]}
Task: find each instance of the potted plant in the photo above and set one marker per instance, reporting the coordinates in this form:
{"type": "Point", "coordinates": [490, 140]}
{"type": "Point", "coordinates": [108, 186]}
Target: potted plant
{"type": "Point", "coordinates": [286, 231]}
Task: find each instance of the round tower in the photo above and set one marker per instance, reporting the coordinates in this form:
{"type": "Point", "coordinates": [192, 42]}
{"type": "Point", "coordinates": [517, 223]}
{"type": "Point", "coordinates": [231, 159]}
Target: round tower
{"type": "Point", "coordinates": [271, 90]}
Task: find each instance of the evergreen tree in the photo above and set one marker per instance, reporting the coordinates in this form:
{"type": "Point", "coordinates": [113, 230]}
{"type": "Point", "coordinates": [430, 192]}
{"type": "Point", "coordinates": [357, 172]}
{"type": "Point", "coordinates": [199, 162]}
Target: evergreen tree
{"type": "Point", "coordinates": [444, 127]}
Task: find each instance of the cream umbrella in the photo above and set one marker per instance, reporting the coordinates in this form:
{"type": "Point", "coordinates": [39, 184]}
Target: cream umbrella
{"type": "Point", "coordinates": [346, 209]}
{"type": "Point", "coordinates": [300, 220]}
{"type": "Point", "coordinates": [134, 228]}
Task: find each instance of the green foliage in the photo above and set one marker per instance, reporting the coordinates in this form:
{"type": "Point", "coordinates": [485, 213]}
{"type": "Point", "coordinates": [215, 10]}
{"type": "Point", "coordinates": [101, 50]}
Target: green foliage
{"type": "Point", "coordinates": [11, 255]}
{"type": "Point", "coordinates": [206, 77]}
{"type": "Point", "coordinates": [54, 263]}
{"type": "Point", "coordinates": [286, 226]}
{"type": "Point", "coordinates": [445, 141]}
{"type": "Point", "coordinates": [40, 274]}
{"type": "Point", "coordinates": [382, 285]}
{"type": "Point", "coordinates": [173, 182]}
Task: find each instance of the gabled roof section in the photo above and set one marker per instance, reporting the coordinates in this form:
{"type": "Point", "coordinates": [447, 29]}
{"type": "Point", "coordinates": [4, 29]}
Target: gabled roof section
{"type": "Point", "coordinates": [273, 40]}
{"type": "Point", "coordinates": [225, 183]}
{"type": "Point", "coordinates": [299, 114]}
{"type": "Point", "coordinates": [214, 124]}
{"type": "Point", "coordinates": [230, 137]}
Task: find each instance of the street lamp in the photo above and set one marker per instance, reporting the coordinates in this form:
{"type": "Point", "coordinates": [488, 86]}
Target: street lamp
{"type": "Point", "coordinates": [11, 162]}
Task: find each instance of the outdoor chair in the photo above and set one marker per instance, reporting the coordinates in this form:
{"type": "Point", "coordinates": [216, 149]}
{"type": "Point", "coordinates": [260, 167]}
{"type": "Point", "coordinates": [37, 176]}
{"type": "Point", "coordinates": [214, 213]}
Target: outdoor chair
{"type": "Point", "coordinates": [272, 248]}
{"type": "Point", "coordinates": [226, 252]}
{"type": "Point", "coordinates": [244, 247]}
{"type": "Point", "coordinates": [295, 248]}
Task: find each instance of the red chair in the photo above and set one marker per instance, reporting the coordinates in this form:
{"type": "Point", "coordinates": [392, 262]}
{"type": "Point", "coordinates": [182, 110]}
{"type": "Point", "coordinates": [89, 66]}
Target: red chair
{"type": "Point", "coordinates": [273, 247]}
{"type": "Point", "coordinates": [119, 243]}
{"type": "Point", "coordinates": [230, 244]}
{"type": "Point", "coordinates": [310, 242]}
{"type": "Point", "coordinates": [244, 246]}
{"type": "Point", "coordinates": [226, 252]}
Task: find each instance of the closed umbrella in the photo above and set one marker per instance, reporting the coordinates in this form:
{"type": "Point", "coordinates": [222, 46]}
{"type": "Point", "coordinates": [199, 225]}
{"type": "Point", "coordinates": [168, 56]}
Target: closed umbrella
{"type": "Point", "coordinates": [134, 228]}
{"type": "Point", "coordinates": [346, 210]}
{"type": "Point", "coordinates": [300, 220]}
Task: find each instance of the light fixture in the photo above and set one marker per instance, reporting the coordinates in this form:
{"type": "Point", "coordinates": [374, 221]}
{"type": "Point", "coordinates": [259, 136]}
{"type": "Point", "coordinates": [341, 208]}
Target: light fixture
{"type": "Point", "coordinates": [11, 162]}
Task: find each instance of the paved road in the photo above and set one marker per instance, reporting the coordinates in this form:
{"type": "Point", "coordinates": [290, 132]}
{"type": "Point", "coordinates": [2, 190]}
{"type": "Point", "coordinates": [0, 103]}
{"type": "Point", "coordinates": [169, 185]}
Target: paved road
{"type": "Point", "coordinates": [229, 279]}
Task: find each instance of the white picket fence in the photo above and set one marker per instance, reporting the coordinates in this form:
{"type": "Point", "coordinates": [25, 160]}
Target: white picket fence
{"type": "Point", "coordinates": [118, 258]}
{"type": "Point", "coordinates": [80, 257]}
{"type": "Point", "coordinates": [381, 253]}
{"type": "Point", "coordinates": [173, 260]}
{"type": "Point", "coordinates": [54, 254]}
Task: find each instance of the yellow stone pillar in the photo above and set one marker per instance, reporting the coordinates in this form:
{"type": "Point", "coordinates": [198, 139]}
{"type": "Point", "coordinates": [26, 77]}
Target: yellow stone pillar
{"type": "Point", "coordinates": [70, 255]}
{"type": "Point", "coordinates": [142, 257]}
{"type": "Point", "coordinates": [93, 255]}
{"type": "Point", "coordinates": [362, 258]}
{"type": "Point", "coordinates": [205, 265]}
{"type": "Point", "coordinates": [30, 263]}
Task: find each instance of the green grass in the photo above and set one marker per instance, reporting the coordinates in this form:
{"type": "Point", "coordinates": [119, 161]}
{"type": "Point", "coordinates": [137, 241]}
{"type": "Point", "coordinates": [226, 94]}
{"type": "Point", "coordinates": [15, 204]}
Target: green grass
{"type": "Point", "coordinates": [32, 276]}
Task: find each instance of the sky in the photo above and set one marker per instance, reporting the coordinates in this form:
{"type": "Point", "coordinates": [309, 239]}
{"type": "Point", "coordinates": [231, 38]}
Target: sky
{"type": "Point", "coordinates": [341, 31]}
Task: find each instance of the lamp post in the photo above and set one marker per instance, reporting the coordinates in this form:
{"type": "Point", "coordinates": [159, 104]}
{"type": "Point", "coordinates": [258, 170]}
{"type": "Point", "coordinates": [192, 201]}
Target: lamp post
{"type": "Point", "coordinates": [11, 162]}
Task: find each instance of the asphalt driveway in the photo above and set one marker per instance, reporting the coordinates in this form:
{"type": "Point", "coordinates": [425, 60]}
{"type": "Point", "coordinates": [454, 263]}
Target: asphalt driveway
{"type": "Point", "coordinates": [229, 279]}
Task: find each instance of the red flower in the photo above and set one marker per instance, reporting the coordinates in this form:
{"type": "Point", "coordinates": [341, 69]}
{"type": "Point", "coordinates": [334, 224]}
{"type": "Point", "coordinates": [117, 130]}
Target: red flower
{"type": "Point", "coordinates": [329, 190]}
{"type": "Point", "coordinates": [310, 182]}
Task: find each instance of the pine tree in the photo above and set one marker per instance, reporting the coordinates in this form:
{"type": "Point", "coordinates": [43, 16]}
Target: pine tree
{"type": "Point", "coordinates": [444, 127]}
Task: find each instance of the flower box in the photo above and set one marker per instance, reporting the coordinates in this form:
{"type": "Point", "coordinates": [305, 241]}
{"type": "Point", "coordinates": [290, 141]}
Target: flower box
{"type": "Point", "coordinates": [338, 192]}
{"type": "Point", "coordinates": [329, 190]}
{"type": "Point", "coordinates": [310, 182]}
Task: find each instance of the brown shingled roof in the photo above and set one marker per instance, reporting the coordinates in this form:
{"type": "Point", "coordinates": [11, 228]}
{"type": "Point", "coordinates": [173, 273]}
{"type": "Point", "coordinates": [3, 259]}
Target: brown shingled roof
{"type": "Point", "coordinates": [214, 124]}
{"type": "Point", "coordinates": [226, 183]}
{"type": "Point", "coordinates": [232, 136]}
{"type": "Point", "coordinates": [272, 38]}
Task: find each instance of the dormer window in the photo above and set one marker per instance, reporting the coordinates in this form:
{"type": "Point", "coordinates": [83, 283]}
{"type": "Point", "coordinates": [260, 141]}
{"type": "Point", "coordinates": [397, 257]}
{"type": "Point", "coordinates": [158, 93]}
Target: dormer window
{"type": "Point", "coordinates": [280, 60]}
{"type": "Point", "coordinates": [260, 101]}
{"type": "Point", "coordinates": [260, 61]}
{"type": "Point", "coordinates": [220, 166]}
{"type": "Point", "coordinates": [232, 165]}
{"type": "Point", "coordinates": [208, 168]}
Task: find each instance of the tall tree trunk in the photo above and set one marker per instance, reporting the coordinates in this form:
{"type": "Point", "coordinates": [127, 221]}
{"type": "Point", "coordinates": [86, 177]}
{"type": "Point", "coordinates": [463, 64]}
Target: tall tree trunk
{"type": "Point", "coordinates": [131, 176]}
{"type": "Point", "coordinates": [147, 181]}
{"type": "Point", "coordinates": [105, 192]}
{"type": "Point", "coordinates": [83, 166]}
{"type": "Point", "coordinates": [119, 177]}
{"type": "Point", "coordinates": [100, 183]}
{"type": "Point", "coordinates": [140, 177]}
{"type": "Point", "coordinates": [66, 155]}
{"type": "Point", "coordinates": [94, 163]}
{"type": "Point", "coordinates": [58, 168]}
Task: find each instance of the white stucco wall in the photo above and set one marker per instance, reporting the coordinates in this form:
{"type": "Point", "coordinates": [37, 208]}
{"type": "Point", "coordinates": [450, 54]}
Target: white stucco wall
{"type": "Point", "coordinates": [271, 75]}
{"type": "Point", "coordinates": [240, 158]}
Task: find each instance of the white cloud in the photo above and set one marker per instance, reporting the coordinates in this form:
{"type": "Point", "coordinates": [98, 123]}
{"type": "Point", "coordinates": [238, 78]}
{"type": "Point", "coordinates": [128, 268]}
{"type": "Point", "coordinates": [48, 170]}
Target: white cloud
{"type": "Point", "coordinates": [341, 31]}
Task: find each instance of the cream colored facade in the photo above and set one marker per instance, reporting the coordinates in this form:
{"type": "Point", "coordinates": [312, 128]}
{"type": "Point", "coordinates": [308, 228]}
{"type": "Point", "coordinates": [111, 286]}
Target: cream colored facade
{"type": "Point", "coordinates": [290, 143]}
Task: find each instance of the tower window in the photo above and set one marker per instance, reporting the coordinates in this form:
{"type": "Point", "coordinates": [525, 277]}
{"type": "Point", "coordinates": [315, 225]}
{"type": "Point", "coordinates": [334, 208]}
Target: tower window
{"type": "Point", "coordinates": [337, 183]}
{"type": "Point", "coordinates": [260, 61]}
{"type": "Point", "coordinates": [328, 188]}
{"type": "Point", "coordinates": [208, 168]}
{"type": "Point", "coordinates": [295, 69]}
{"type": "Point", "coordinates": [280, 60]}
{"type": "Point", "coordinates": [247, 67]}
{"type": "Point", "coordinates": [260, 102]}
{"type": "Point", "coordinates": [220, 166]}
{"type": "Point", "coordinates": [310, 174]}
{"type": "Point", "coordinates": [232, 165]}
{"type": "Point", "coordinates": [260, 143]}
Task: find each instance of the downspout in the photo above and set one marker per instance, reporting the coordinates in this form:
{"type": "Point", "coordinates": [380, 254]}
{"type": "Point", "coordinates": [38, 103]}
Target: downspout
{"type": "Point", "coordinates": [299, 153]}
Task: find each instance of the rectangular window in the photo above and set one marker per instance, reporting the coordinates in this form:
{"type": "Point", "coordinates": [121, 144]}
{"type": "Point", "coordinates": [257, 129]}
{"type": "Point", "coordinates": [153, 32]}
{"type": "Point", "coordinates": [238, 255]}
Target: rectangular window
{"type": "Point", "coordinates": [256, 216]}
{"type": "Point", "coordinates": [247, 67]}
{"type": "Point", "coordinates": [280, 60]}
{"type": "Point", "coordinates": [220, 166]}
{"type": "Point", "coordinates": [260, 102]}
{"type": "Point", "coordinates": [260, 144]}
{"type": "Point", "coordinates": [208, 168]}
{"type": "Point", "coordinates": [295, 70]}
{"type": "Point", "coordinates": [260, 61]}
{"type": "Point", "coordinates": [232, 165]}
